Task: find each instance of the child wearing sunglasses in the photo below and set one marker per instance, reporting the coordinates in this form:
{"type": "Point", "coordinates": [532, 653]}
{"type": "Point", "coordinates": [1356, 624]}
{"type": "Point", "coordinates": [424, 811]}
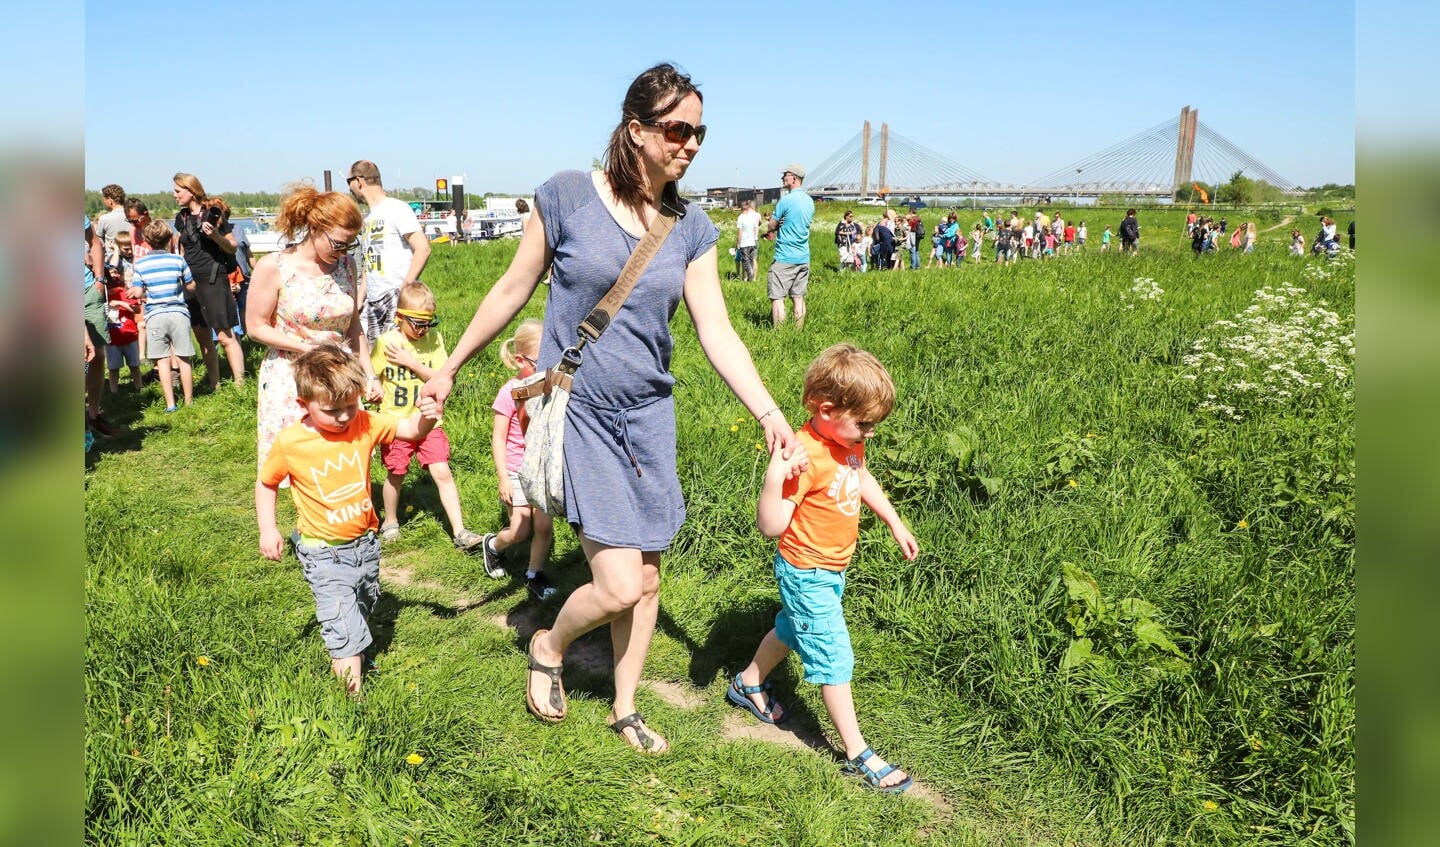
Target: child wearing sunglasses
{"type": "Point", "coordinates": [403, 358]}
{"type": "Point", "coordinates": [507, 446]}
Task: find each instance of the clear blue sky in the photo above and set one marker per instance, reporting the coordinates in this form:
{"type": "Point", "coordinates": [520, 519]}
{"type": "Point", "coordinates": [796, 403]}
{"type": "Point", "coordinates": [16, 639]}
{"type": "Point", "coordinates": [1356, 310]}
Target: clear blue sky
{"type": "Point", "coordinates": [508, 93]}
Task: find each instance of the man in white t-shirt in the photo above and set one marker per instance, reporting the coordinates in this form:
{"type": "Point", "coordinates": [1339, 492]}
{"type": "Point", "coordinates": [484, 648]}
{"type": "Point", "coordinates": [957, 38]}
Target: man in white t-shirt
{"type": "Point", "coordinates": [747, 239]}
{"type": "Point", "coordinates": [393, 247]}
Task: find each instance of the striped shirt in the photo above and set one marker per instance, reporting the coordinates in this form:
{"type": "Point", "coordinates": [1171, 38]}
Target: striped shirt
{"type": "Point", "coordinates": [161, 275]}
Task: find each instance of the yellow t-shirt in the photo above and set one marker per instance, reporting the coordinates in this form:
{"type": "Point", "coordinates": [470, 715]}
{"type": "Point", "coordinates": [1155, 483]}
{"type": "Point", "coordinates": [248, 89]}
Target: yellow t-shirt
{"type": "Point", "coordinates": [400, 385]}
{"type": "Point", "coordinates": [330, 474]}
{"type": "Point", "coordinates": [826, 523]}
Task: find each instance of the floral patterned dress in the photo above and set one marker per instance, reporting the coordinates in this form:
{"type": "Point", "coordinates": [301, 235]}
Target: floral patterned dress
{"type": "Point", "coordinates": [312, 309]}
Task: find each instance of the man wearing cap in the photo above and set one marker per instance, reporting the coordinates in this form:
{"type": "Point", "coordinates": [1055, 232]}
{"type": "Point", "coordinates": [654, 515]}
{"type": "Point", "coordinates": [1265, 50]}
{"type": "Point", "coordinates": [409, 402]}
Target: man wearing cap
{"type": "Point", "coordinates": [393, 246]}
{"type": "Point", "coordinates": [790, 271]}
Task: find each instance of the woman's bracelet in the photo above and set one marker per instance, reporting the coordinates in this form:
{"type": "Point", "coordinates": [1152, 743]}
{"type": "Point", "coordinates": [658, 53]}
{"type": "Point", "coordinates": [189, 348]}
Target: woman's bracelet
{"type": "Point", "coordinates": [762, 418]}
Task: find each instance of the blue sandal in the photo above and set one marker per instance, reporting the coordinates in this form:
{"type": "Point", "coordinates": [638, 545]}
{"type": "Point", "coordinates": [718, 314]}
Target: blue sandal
{"type": "Point", "coordinates": [738, 694]}
{"type": "Point", "coordinates": [858, 767]}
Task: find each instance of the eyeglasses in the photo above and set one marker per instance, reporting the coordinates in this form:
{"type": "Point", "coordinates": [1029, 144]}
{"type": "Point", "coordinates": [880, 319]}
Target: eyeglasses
{"type": "Point", "coordinates": [350, 179]}
{"type": "Point", "coordinates": [679, 132]}
{"type": "Point", "coordinates": [527, 359]}
{"type": "Point", "coordinates": [341, 246]}
{"type": "Point", "coordinates": [419, 324]}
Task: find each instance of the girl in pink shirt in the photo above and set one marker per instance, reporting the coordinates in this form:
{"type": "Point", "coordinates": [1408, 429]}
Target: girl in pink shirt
{"type": "Point", "coordinates": [507, 446]}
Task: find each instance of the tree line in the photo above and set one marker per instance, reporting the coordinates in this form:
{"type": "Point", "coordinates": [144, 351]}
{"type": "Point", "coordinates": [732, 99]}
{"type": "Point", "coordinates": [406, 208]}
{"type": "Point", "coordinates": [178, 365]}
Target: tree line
{"type": "Point", "coordinates": [162, 203]}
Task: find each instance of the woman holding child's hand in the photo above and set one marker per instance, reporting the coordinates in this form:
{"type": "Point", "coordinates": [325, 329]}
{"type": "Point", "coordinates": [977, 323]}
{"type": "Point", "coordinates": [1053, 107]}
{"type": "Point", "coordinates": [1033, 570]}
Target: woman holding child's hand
{"type": "Point", "coordinates": [622, 488]}
{"type": "Point", "coordinates": [305, 295]}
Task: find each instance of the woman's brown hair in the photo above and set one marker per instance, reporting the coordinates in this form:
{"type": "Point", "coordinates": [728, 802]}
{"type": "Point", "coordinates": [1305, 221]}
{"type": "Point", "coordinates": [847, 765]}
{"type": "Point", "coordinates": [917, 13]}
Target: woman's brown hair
{"type": "Point", "coordinates": [652, 94]}
{"type": "Point", "coordinates": [191, 183]}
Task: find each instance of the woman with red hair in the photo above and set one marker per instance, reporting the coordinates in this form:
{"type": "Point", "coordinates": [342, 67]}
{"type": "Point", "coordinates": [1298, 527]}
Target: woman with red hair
{"type": "Point", "coordinates": [302, 296]}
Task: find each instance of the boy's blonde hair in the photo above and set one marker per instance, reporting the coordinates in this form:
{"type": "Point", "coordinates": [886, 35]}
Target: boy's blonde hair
{"type": "Point", "coordinates": [328, 373]}
{"type": "Point", "coordinates": [122, 239]}
{"type": "Point", "coordinates": [416, 296]}
{"type": "Point", "coordinates": [853, 380]}
{"type": "Point", "coordinates": [157, 234]}
{"type": "Point", "coordinates": [526, 337]}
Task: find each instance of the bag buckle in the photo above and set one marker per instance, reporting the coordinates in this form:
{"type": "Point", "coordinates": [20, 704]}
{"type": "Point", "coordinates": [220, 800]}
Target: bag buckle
{"type": "Point", "coordinates": [570, 360]}
{"type": "Point", "coordinates": [595, 323]}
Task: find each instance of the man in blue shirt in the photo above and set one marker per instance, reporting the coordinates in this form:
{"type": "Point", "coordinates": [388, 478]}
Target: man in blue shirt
{"type": "Point", "coordinates": [790, 272]}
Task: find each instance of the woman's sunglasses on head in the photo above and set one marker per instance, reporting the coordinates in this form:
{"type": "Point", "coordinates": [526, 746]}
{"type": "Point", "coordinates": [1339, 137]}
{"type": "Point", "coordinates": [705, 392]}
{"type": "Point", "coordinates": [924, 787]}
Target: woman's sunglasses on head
{"type": "Point", "coordinates": [679, 132]}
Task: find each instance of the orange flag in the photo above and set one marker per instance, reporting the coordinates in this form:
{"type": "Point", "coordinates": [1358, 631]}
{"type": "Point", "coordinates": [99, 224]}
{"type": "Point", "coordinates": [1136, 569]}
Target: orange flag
{"type": "Point", "coordinates": [1204, 198]}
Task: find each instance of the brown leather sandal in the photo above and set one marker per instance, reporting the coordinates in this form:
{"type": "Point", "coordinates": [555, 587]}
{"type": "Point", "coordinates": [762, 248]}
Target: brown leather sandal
{"type": "Point", "coordinates": [644, 741]}
{"type": "Point", "coordinates": [557, 691]}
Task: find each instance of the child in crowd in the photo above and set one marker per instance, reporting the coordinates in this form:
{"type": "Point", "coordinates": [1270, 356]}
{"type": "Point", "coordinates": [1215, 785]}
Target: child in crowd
{"type": "Point", "coordinates": [1297, 243]}
{"type": "Point", "coordinates": [1105, 240]}
{"type": "Point", "coordinates": [507, 446]}
{"type": "Point", "coordinates": [403, 359]}
{"type": "Point", "coordinates": [326, 455]}
{"type": "Point", "coordinates": [811, 502]}
{"type": "Point", "coordinates": [937, 249]}
{"type": "Point", "coordinates": [1080, 234]}
{"type": "Point", "coordinates": [977, 238]}
{"type": "Point", "coordinates": [162, 278]}
{"type": "Point", "coordinates": [126, 325]}
{"type": "Point", "coordinates": [124, 346]}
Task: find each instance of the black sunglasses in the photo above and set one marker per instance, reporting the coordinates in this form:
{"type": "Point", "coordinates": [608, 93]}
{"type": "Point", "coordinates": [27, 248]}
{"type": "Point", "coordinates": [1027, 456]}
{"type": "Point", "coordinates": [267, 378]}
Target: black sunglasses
{"type": "Point", "coordinates": [419, 324]}
{"type": "Point", "coordinates": [679, 132]}
{"type": "Point", "coordinates": [340, 246]}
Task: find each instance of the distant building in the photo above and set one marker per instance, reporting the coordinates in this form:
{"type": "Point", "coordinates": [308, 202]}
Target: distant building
{"type": "Point", "coordinates": [734, 196]}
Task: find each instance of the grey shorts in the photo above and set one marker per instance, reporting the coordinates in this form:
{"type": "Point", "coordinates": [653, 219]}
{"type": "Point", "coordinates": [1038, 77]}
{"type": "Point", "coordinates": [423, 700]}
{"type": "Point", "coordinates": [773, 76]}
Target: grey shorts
{"type": "Point", "coordinates": [345, 580]}
{"type": "Point", "coordinates": [517, 494]}
{"type": "Point", "coordinates": [166, 334]}
{"type": "Point", "coordinates": [787, 280]}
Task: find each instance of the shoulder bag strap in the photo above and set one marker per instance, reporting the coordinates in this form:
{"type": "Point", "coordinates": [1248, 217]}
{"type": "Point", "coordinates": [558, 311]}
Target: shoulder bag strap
{"type": "Point", "coordinates": [604, 312]}
{"type": "Point", "coordinates": [599, 319]}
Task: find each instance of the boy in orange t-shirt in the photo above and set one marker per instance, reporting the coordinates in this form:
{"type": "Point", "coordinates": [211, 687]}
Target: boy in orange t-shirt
{"type": "Point", "coordinates": [815, 512]}
{"type": "Point", "coordinates": [327, 455]}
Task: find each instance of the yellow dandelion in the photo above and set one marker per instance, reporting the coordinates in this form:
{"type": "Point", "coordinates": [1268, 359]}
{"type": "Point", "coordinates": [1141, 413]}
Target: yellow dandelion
{"type": "Point", "coordinates": [135, 753]}
{"type": "Point", "coordinates": [202, 661]}
{"type": "Point", "coordinates": [409, 509]}
{"type": "Point", "coordinates": [1211, 805]}
{"type": "Point", "coordinates": [734, 427]}
{"type": "Point", "coordinates": [415, 758]}
{"type": "Point", "coordinates": [410, 686]}
{"type": "Point", "coordinates": [1242, 524]}
{"type": "Point", "coordinates": [1091, 435]}
{"type": "Point", "coordinates": [1073, 484]}
{"type": "Point", "coordinates": [759, 446]}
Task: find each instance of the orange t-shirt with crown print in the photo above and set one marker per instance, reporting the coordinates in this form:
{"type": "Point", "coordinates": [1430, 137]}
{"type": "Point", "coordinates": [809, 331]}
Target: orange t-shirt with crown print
{"type": "Point", "coordinates": [330, 474]}
{"type": "Point", "coordinates": [826, 523]}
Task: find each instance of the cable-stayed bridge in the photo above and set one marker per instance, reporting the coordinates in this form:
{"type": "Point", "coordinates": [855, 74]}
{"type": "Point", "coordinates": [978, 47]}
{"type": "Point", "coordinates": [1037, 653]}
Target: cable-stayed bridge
{"type": "Point", "coordinates": [1151, 164]}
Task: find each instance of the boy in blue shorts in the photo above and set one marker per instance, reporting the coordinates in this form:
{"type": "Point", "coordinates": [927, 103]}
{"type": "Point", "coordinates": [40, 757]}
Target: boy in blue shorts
{"type": "Point", "coordinates": [326, 455]}
{"type": "Point", "coordinates": [811, 502]}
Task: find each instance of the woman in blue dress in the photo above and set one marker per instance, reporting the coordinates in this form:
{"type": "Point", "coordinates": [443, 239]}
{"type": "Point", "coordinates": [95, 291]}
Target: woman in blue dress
{"type": "Point", "coordinates": [622, 490]}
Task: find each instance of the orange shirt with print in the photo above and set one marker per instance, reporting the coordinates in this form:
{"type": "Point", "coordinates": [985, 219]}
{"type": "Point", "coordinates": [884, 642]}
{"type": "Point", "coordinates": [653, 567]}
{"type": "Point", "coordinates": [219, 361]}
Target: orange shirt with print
{"type": "Point", "coordinates": [330, 474]}
{"type": "Point", "coordinates": [826, 523]}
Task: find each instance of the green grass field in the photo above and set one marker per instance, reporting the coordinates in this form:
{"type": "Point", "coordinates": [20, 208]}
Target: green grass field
{"type": "Point", "coordinates": [1132, 620]}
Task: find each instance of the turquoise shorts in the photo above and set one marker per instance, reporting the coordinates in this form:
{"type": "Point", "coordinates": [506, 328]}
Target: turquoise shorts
{"type": "Point", "coordinates": [812, 623]}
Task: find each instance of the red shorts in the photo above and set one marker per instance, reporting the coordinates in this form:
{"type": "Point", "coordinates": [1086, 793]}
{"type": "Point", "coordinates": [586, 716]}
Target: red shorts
{"type": "Point", "coordinates": [396, 455]}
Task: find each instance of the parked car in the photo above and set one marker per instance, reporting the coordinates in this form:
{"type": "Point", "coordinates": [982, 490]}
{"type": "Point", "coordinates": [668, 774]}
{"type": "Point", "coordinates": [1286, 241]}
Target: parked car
{"type": "Point", "coordinates": [871, 201]}
{"type": "Point", "coordinates": [707, 203]}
